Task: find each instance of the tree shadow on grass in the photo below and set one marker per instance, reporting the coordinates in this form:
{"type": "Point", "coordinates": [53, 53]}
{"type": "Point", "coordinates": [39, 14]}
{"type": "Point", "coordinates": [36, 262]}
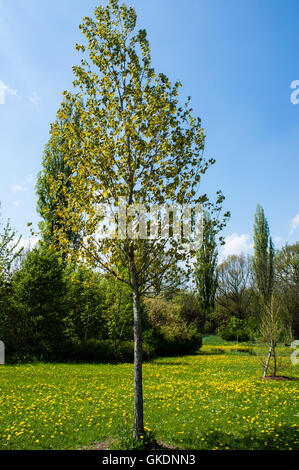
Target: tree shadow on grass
{"type": "Point", "coordinates": [212, 352]}
{"type": "Point", "coordinates": [280, 378]}
{"type": "Point", "coordinates": [171, 363]}
{"type": "Point", "coordinates": [280, 438]}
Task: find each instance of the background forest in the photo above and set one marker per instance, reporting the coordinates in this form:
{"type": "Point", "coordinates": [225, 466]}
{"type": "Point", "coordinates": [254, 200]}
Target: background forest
{"type": "Point", "coordinates": [55, 310]}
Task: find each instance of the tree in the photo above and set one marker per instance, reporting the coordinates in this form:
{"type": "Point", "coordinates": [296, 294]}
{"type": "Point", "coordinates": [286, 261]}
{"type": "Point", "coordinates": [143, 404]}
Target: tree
{"type": "Point", "coordinates": [9, 251]}
{"type": "Point", "coordinates": [263, 267]}
{"type": "Point", "coordinates": [55, 167]}
{"type": "Point", "coordinates": [205, 269]}
{"type": "Point", "coordinates": [287, 283]}
{"type": "Point", "coordinates": [271, 331]}
{"type": "Point", "coordinates": [39, 300]}
{"type": "Point", "coordinates": [191, 310]}
{"type": "Point", "coordinates": [136, 148]}
{"type": "Point", "coordinates": [233, 276]}
{"type": "Point", "coordinates": [84, 303]}
{"type": "Point", "coordinates": [117, 311]}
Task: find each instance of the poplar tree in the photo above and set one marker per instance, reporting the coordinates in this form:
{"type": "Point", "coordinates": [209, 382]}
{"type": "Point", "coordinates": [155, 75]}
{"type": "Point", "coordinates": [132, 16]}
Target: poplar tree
{"type": "Point", "coordinates": [263, 256]}
{"type": "Point", "coordinates": [263, 269]}
{"type": "Point", "coordinates": [205, 269]}
{"type": "Point", "coordinates": [55, 167]}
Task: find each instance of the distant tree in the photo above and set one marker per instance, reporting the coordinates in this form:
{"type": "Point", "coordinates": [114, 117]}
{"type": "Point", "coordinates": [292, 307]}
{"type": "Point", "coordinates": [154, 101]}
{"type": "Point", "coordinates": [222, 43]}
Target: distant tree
{"type": "Point", "coordinates": [232, 290]}
{"type": "Point", "coordinates": [10, 251]}
{"type": "Point", "coordinates": [135, 141]}
{"type": "Point", "coordinates": [85, 302]}
{"type": "Point", "coordinates": [56, 168]}
{"type": "Point", "coordinates": [263, 258]}
{"type": "Point", "coordinates": [190, 308]}
{"type": "Point", "coordinates": [117, 309]}
{"type": "Point", "coordinates": [205, 267]}
{"type": "Point", "coordinates": [39, 298]}
{"type": "Point", "coordinates": [10, 254]}
{"type": "Point", "coordinates": [287, 284]}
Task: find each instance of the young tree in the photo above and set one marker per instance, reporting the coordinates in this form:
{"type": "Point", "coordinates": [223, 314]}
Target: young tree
{"type": "Point", "coordinates": [205, 269]}
{"type": "Point", "coordinates": [271, 331]}
{"type": "Point", "coordinates": [134, 142]}
{"type": "Point", "coordinates": [263, 256]}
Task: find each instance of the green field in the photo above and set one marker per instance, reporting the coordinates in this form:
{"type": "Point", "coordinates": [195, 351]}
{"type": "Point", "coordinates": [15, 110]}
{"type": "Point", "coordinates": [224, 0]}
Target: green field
{"type": "Point", "coordinates": [207, 401]}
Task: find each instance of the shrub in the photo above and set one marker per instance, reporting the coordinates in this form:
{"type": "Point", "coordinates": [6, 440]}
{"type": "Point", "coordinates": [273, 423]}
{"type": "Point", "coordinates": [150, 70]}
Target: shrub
{"type": "Point", "coordinates": [233, 330]}
{"type": "Point", "coordinates": [125, 351]}
{"type": "Point", "coordinates": [100, 351]}
{"type": "Point", "coordinates": [169, 333]}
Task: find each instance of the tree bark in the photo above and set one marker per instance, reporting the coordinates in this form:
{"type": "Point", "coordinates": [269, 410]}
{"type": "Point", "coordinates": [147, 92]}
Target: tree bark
{"type": "Point", "coordinates": [268, 360]}
{"type": "Point", "coordinates": [138, 392]}
{"type": "Point", "coordinates": [274, 359]}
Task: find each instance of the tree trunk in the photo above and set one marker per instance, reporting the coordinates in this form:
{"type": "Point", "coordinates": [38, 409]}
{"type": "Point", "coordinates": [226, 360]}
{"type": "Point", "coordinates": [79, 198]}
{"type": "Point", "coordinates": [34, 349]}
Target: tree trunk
{"type": "Point", "coordinates": [268, 360]}
{"type": "Point", "coordinates": [275, 361]}
{"type": "Point", "coordinates": [138, 394]}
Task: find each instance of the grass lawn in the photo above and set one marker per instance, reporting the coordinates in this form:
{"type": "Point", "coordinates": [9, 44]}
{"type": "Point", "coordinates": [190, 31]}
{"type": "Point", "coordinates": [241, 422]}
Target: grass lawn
{"type": "Point", "coordinates": [206, 401]}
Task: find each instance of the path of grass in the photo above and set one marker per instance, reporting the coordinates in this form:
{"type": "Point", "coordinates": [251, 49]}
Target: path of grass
{"type": "Point", "coordinates": [195, 402]}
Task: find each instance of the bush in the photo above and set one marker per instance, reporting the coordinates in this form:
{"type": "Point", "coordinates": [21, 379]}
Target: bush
{"type": "Point", "coordinates": [100, 351]}
{"type": "Point", "coordinates": [233, 330]}
{"type": "Point", "coordinates": [228, 335]}
{"type": "Point", "coordinates": [169, 333]}
{"type": "Point", "coordinates": [179, 346]}
{"type": "Point", "coordinates": [125, 351]}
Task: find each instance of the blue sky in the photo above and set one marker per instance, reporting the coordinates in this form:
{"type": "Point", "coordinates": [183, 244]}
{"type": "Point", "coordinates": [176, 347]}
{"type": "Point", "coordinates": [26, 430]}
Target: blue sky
{"type": "Point", "coordinates": [235, 58]}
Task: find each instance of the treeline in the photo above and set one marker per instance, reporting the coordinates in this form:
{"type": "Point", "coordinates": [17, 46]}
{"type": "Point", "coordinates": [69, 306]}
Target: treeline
{"type": "Point", "coordinates": [234, 296]}
{"type": "Point", "coordinates": [55, 311]}
{"type": "Point", "coordinates": [238, 309]}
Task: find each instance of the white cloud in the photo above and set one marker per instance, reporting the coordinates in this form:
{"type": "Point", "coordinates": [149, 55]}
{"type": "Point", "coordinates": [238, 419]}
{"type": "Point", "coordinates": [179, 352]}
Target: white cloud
{"type": "Point", "coordinates": [236, 244]}
{"type": "Point", "coordinates": [5, 89]}
{"type": "Point", "coordinates": [294, 224]}
{"type": "Point", "coordinates": [18, 188]}
{"type": "Point", "coordinates": [21, 188]}
{"type": "Point", "coordinates": [34, 99]}
{"type": "Point", "coordinates": [16, 203]}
